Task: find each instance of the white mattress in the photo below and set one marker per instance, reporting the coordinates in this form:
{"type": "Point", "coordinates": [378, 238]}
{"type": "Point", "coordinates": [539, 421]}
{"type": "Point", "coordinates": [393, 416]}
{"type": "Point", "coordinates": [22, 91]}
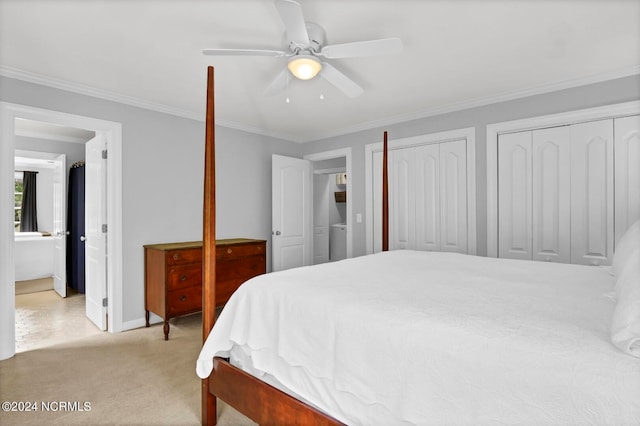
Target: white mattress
{"type": "Point", "coordinates": [408, 337]}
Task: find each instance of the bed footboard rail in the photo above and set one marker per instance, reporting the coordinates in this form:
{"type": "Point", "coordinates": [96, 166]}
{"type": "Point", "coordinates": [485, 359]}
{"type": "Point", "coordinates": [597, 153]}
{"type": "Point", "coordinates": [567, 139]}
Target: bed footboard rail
{"type": "Point", "coordinates": [260, 401]}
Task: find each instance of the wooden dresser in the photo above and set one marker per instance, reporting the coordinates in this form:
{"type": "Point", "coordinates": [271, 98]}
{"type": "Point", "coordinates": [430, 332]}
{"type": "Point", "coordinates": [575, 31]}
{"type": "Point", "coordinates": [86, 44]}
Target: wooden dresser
{"type": "Point", "coordinates": [173, 274]}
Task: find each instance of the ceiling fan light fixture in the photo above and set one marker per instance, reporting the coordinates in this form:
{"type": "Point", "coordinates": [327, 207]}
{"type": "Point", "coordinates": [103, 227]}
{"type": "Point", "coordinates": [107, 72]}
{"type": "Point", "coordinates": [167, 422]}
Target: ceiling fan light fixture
{"type": "Point", "coordinates": [304, 67]}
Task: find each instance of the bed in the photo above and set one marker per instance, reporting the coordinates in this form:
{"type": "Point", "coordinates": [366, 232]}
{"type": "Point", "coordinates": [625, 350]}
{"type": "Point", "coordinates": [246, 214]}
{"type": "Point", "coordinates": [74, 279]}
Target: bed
{"type": "Point", "coordinates": [408, 337]}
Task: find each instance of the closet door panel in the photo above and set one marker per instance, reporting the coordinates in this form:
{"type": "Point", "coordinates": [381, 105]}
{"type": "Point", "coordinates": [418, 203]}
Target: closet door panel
{"type": "Point", "coordinates": [627, 173]}
{"type": "Point", "coordinates": [592, 192]}
{"type": "Point", "coordinates": [402, 200]}
{"type": "Point", "coordinates": [551, 194]}
{"type": "Point", "coordinates": [376, 215]}
{"type": "Point", "coordinates": [453, 199]}
{"type": "Point", "coordinates": [427, 197]}
{"type": "Point", "coordinates": [514, 196]}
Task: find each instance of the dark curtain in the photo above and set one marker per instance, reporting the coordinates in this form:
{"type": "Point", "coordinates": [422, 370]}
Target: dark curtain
{"type": "Point", "coordinates": [75, 225]}
{"type": "Point", "coordinates": [29, 211]}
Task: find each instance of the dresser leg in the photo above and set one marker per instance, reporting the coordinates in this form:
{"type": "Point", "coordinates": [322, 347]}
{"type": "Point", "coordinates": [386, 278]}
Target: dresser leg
{"type": "Point", "coordinates": [146, 318]}
{"type": "Point", "coordinates": [166, 330]}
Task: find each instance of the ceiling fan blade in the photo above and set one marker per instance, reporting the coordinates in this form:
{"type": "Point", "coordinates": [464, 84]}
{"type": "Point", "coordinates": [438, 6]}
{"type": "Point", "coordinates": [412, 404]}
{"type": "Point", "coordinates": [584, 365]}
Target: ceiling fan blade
{"type": "Point", "coordinates": [356, 49]}
{"type": "Point", "coordinates": [340, 81]}
{"type": "Point", "coordinates": [278, 84]}
{"type": "Point", "coordinates": [293, 19]}
{"type": "Point", "coordinates": [243, 52]}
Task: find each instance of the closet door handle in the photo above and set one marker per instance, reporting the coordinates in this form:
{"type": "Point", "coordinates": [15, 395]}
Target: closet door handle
{"type": "Point", "coordinates": [83, 238]}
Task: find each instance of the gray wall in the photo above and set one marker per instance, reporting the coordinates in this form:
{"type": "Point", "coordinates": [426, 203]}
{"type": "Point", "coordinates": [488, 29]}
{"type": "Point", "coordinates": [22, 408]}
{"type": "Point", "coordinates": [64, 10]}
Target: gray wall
{"type": "Point", "coordinates": [610, 92]}
{"type": "Point", "coordinates": [162, 177]}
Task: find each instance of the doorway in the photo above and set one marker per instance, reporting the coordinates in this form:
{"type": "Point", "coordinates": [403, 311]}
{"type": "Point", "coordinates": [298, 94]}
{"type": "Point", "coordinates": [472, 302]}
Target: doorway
{"type": "Point", "coordinates": [329, 210]}
{"type": "Point", "coordinates": [112, 134]}
{"type": "Point", "coordinates": [332, 163]}
{"type": "Point", "coordinates": [292, 205]}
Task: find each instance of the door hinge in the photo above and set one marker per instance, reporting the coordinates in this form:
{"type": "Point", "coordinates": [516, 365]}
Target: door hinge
{"type": "Point", "coordinates": [104, 302]}
{"type": "Point", "coordinates": [104, 228]}
{"type": "Point", "coordinates": [104, 154]}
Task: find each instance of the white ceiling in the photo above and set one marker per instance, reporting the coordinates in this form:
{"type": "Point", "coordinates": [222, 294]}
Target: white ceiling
{"type": "Point", "coordinates": [40, 130]}
{"type": "Point", "coordinates": [457, 53]}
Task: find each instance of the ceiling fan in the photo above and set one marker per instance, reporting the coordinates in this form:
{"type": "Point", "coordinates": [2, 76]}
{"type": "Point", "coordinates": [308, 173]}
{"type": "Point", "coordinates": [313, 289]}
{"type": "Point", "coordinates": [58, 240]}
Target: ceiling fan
{"type": "Point", "coordinates": [307, 53]}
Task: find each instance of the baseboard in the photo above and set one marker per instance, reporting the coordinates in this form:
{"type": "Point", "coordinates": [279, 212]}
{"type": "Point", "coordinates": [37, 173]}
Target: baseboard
{"type": "Point", "coordinates": [140, 322]}
{"type": "Point", "coordinates": [34, 285]}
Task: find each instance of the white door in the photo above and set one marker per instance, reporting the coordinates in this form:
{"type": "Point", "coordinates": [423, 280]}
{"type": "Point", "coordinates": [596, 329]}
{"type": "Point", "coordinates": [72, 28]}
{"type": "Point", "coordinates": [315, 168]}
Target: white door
{"type": "Point", "coordinates": [627, 173]}
{"type": "Point", "coordinates": [453, 196]}
{"type": "Point", "coordinates": [551, 202]}
{"type": "Point", "coordinates": [402, 207]}
{"type": "Point", "coordinates": [428, 197]}
{"type": "Point", "coordinates": [291, 212]}
{"type": "Point", "coordinates": [376, 200]}
{"type": "Point", "coordinates": [514, 196]}
{"type": "Point", "coordinates": [60, 226]}
{"type": "Point", "coordinates": [95, 238]}
{"type": "Point", "coordinates": [592, 192]}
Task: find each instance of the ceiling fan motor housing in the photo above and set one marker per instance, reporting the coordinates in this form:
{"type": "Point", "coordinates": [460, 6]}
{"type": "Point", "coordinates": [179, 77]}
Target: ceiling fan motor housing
{"type": "Point", "coordinates": [316, 39]}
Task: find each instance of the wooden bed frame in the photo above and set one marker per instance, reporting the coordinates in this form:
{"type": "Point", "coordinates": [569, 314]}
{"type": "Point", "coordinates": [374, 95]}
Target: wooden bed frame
{"type": "Point", "coordinates": [252, 397]}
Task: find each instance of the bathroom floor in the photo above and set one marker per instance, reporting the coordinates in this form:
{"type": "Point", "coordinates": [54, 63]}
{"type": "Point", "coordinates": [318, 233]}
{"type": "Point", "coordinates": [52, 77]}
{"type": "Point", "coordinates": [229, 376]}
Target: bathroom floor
{"type": "Point", "coordinates": [44, 318]}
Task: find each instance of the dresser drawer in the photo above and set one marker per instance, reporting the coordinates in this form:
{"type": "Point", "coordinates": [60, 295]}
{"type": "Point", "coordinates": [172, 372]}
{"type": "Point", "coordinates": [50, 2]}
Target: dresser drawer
{"type": "Point", "coordinates": [177, 257]}
{"type": "Point", "coordinates": [244, 267]}
{"type": "Point", "coordinates": [184, 300]}
{"type": "Point", "coordinates": [229, 252]}
{"type": "Point", "coordinates": [225, 288]}
{"type": "Point", "coordinates": [181, 276]}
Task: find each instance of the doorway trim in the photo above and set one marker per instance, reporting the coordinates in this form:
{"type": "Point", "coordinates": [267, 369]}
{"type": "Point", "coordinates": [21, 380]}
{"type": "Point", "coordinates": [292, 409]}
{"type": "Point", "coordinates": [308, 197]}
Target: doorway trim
{"type": "Point", "coordinates": [113, 133]}
{"type": "Point", "coordinates": [329, 155]}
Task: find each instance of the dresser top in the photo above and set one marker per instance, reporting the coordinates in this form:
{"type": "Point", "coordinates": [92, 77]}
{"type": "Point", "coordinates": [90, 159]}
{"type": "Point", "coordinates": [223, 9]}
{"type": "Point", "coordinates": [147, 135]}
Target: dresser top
{"type": "Point", "coordinates": [194, 244]}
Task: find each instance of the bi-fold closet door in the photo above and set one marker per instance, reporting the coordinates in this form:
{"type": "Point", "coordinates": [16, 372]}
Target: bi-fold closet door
{"type": "Point", "coordinates": [428, 197]}
{"type": "Point", "coordinates": [556, 190]}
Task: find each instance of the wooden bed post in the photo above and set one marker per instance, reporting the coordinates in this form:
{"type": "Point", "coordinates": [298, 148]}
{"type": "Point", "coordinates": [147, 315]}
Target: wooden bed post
{"type": "Point", "coordinates": [385, 196]}
{"type": "Point", "coordinates": [209, 412]}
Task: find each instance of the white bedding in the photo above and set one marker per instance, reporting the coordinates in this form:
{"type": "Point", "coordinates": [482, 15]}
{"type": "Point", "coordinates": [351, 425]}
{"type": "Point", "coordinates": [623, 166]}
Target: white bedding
{"type": "Point", "coordinates": [408, 337]}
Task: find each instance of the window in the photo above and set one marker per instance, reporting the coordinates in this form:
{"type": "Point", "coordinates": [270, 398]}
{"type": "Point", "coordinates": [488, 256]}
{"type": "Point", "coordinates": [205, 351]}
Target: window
{"type": "Point", "coordinates": [17, 192]}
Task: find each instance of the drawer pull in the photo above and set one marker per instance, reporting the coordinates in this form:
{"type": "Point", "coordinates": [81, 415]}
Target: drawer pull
{"type": "Point", "coordinates": [229, 251]}
{"type": "Point", "coordinates": [175, 256]}
{"type": "Point", "coordinates": [183, 277]}
{"type": "Point", "coordinates": [183, 298]}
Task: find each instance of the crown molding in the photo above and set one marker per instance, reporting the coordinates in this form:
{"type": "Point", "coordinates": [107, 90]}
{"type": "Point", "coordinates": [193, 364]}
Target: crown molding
{"type": "Point", "coordinates": [81, 89]}
{"type": "Point", "coordinates": [478, 102]}
{"type": "Point", "coordinates": [95, 92]}
{"type": "Point", "coordinates": [459, 106]}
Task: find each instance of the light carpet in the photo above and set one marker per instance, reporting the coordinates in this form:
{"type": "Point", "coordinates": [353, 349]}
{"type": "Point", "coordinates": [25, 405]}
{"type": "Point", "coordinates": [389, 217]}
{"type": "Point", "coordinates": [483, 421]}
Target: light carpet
{"type": "Point", "coordinates": [129, 378]}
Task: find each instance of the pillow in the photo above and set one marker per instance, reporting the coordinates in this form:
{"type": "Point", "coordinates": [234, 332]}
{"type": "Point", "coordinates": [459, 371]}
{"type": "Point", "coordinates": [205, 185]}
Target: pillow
{"type": "Point", "coordinates": [629, 242]}
{"type": "Point", "coordinates": [625, 324]}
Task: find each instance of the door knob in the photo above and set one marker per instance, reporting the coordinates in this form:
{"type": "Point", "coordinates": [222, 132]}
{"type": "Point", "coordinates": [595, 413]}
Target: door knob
{"type": "Point", "coordinates": [83, 238]}
{"type": "Point", "coordinates": [277, 232]}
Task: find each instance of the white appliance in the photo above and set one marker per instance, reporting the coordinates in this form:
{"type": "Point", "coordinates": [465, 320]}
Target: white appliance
{"type": "Point", "coordinates": [338, 242]}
